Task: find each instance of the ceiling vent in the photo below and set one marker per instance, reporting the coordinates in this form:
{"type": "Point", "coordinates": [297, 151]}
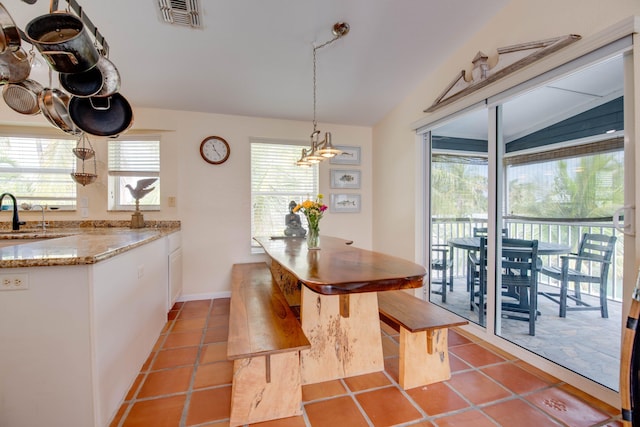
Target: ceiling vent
{"type": "Point", "coordinates": [181, 12]}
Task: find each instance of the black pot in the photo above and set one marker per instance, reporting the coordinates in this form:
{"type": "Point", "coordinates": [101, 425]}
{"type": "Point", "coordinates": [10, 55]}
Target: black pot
{"type": "Point", "coordinates": [84, 84]}
{"type": "Point", "coordinates": [63, 41]}
{"type": "Point", "coordinates": [101, 116]}
{"type": "Point", "coordinates": [101, 80]}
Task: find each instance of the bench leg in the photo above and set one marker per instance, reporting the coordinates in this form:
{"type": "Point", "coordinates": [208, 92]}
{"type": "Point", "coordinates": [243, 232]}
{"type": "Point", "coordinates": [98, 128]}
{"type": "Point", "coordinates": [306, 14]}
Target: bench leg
{"type": "Point", "coordinates": [255, 399]}
{"type": "Point", "coordinates": [344, 334]}
{"type": "Point", "coordinates": [424, 358]}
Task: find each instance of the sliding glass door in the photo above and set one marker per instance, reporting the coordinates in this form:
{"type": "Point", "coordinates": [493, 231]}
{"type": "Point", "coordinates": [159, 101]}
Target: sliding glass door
{"type": "Point", "coordinates": [543, 169]}
{"type": "Point", "coordinates": [562, 163]}
{"type": "Point", "coordinates": [459, 208]}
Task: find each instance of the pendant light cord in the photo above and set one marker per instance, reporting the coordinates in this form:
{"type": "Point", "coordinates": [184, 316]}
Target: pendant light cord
{"type": "Point", "coordinates": [340, 30]}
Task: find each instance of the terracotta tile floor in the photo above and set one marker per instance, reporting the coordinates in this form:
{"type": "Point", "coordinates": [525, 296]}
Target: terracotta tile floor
{"type": "Point", "coordinates": [186, 381]}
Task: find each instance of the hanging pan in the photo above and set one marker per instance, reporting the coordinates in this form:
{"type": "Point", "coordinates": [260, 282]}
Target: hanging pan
{"type": "Point", "coordinates": [101, 80]}
{"type": "Point", "coordinates": [54, 105]}
{"type": "Point", "coordinates": [101, 116]}
{"type": "Point", "coordinates": [23, 97]}
{"type": "Point", "coordinates": [9, 34]}
{"type": "Point", "coordinates": [110, 77]}
{"type": "Point", "coordinates": [14, 66]}
{"type": "Point", "coordinates": [84, 84]}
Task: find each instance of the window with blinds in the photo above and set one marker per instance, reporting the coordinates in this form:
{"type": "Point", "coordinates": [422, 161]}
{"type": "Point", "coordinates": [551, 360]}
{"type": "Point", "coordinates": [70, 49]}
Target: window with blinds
{"type": "Point", "coordinates": [275, 182]}
{"type": "Point", "coordinates": [130, 161]}
{"type": "Point", "coordinates": [36, 170]}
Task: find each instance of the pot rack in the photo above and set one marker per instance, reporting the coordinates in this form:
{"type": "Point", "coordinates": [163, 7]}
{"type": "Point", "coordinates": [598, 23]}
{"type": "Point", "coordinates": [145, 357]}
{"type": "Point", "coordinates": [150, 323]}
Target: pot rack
{"type": "Point", "coordinates": [77, 9]}
{"type": "Point", "coordinates": [84, 150]}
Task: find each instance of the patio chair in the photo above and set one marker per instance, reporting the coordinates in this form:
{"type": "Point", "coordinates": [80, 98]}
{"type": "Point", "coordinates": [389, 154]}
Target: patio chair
{"type": "Point", "coordinates": [472, 257]}
{"type": "Point", "coordinates": [520, 266]}
{"type": "Point", "coordinates": [590, 265]}
{"type": "Point", "coordinates": [478, 283]}
{"type": "Point", "coordinates": [442, 265]}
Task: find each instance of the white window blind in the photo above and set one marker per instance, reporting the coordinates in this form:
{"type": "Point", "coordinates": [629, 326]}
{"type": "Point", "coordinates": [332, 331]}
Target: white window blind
{"type": "Point", "coordinates": [275, 182]}
{"type": "Point", "coordinates": [37, 170]}
{"type": "Point", "coordinates": [130, 161]}
{"type": "Point", "coordinates": [128, 158]}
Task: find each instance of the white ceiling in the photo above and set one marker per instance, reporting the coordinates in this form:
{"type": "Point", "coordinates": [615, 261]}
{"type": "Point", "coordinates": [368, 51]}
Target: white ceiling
{"type": "Point", "coordinates": [254, 57]}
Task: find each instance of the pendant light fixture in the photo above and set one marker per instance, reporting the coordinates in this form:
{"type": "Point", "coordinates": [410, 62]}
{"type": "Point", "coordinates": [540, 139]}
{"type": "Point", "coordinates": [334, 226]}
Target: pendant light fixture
{"type": "Point", "coordinates": [320, 150]}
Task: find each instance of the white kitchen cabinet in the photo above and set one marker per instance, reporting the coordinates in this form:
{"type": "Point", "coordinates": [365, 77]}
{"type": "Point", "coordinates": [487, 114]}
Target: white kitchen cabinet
{"type": "Point", "coordinates": [174, 243]}
{"type": "Point", "coordinates": [73, 343]}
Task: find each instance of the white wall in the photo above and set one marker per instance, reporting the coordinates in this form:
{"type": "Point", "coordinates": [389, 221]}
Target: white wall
{"type": "Point", "coordinates": [394, 163]}
{"type": "Point", "coordinates": [213, 202]}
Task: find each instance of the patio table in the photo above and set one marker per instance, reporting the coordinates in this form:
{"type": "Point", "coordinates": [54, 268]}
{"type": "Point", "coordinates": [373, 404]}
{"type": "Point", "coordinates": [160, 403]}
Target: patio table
{"type": "Point", "coordinates": [473, 244]}
{"type": "Point", "coordinates": [544, 248]}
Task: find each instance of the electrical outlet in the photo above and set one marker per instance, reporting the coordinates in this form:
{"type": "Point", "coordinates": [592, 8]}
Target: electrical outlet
{"type": "Point", "coordinates": [14, 282]}
{"type": "Point", "coordinates": [171, 201]}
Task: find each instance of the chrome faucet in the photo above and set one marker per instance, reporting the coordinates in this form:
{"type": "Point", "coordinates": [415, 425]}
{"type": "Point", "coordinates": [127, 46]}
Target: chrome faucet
{"type": "Point", "coordinates": [44, 224]}
{"type": "Point", "coordinates": [15, 222]}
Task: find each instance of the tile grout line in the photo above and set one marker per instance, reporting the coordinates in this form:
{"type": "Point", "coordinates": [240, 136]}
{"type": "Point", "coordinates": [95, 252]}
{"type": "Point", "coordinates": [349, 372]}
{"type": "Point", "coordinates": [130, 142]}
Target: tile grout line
{"type": "Point", "coordinates": [353, 394]}
{"type": "Point", "coordinates": [187, 402]}
{"type": "Point", "coordinates": [424, 415]}
{"type": "Point", "coordinates": [145, 375]}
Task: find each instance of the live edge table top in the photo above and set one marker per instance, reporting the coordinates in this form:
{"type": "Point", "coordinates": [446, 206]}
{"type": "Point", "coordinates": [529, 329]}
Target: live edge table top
{"type": "Point", "coordinates": [340, 268]}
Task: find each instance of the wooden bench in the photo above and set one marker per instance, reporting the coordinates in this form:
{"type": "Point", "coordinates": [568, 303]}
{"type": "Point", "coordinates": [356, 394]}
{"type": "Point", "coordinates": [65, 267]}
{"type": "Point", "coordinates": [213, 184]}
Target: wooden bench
{"type": "Point", "coordinates": [265, 340]}
{"type": "Point", "coordinates": [423, 327]}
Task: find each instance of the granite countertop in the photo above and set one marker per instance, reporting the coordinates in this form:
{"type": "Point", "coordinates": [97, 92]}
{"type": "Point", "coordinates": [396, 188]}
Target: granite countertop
{"type": "Point", "coordinates": [76, 243]}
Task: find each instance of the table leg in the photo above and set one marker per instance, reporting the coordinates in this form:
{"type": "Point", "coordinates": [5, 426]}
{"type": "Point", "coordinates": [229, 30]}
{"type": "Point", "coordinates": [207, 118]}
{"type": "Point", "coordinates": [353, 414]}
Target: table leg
{"type": "Point", "coordinates": [341, 346]}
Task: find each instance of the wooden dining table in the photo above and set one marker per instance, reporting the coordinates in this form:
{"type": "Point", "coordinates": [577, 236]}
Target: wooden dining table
{"type": "Point", "coordinates": [335, 288]}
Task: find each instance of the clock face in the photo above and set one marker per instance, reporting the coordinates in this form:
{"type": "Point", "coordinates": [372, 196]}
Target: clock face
{"type": "Point", "coordinates": [215, 150]}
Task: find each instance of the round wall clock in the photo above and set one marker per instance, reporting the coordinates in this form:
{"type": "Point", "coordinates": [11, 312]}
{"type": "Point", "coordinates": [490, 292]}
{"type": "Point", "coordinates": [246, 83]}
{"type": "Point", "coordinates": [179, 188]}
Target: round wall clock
{"type": "Point", "coordinates": [215, 150]}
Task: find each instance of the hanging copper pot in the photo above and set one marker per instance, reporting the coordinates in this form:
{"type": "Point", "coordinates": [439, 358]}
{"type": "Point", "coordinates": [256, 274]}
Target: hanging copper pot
{"type": "Point", "coordinates": [14, 66]}
{"type": "Point", "coordinates": [9, 34]}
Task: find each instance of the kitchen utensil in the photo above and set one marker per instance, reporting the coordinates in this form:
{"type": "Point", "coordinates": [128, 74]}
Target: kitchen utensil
{"type": "Point", "coordinates": [54, 105]}
{"type": "Point", "coordinates": [23, 97]}
{"type": "Point", "coordinates": [110, 77]}
{"type": "Point", "coordinates": [101, 116]}
{"type": "Point", "coordinates": [84, 84]}
{"type": "Point", "coordinates": [9, 34]}
{"type": "Point", "coordinates": [14, 66]}
{"type": "Point", "coordinates": [63, 41]}
{"type": "Point", "coordinates": [101, 80]}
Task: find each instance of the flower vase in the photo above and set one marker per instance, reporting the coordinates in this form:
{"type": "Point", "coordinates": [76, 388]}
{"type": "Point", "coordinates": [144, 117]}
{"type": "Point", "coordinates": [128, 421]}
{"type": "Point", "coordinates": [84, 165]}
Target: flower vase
{"type": "Point", "coordinates": [313, 238]}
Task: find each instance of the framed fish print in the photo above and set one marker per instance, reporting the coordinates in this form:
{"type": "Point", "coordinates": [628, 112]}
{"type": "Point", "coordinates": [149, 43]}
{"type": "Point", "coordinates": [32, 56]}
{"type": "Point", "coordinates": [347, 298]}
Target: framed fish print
{"type": "Point", "coordinates": [349, 156]}
{"type": "Point", "coordinates": [341, 178]}
{"type": "Point", "coordinates": [345, 203]}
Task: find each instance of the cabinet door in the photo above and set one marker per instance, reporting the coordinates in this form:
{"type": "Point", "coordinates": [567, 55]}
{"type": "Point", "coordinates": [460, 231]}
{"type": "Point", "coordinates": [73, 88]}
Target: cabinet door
{"type": "Point", "coordinates": [175, 276]}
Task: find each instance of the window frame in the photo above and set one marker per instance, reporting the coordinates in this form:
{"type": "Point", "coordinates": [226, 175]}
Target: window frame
{"type": "Point", "coordinates": [117, 179]}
